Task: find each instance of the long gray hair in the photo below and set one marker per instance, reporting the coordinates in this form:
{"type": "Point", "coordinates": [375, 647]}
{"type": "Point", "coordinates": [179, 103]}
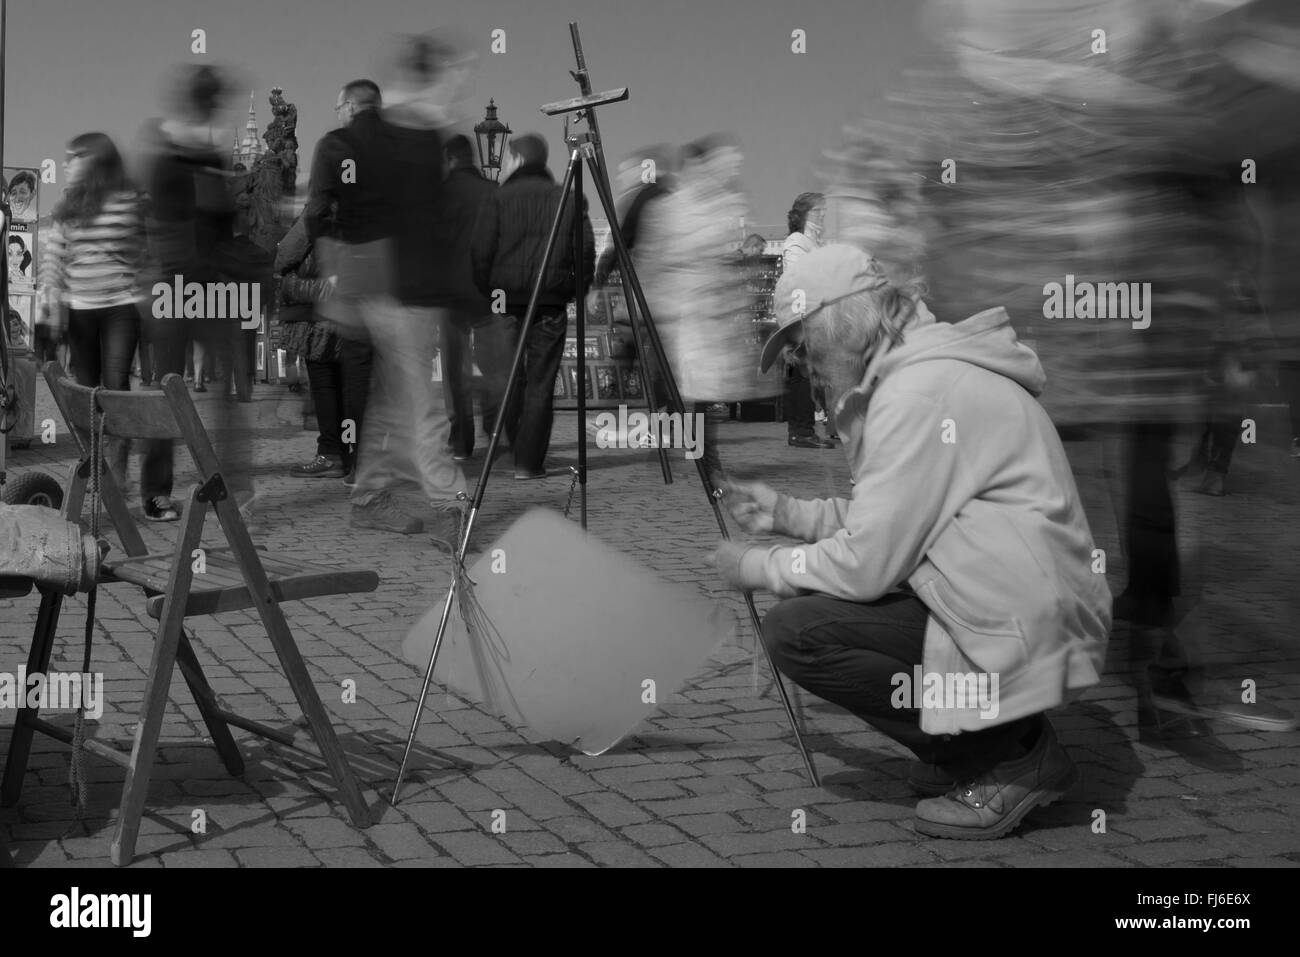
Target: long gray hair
{"type": "Point", "coordinates": [854, 327]}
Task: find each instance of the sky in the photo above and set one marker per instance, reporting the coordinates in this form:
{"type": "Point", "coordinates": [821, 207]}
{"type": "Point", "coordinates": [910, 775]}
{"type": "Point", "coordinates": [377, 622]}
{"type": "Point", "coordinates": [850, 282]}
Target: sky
{"type": "Point", "coordinates": [692, 67]}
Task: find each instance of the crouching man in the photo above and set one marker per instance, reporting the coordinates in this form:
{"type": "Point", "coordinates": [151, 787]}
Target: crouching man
{"type": "Point", "coordinates": [952, 600]}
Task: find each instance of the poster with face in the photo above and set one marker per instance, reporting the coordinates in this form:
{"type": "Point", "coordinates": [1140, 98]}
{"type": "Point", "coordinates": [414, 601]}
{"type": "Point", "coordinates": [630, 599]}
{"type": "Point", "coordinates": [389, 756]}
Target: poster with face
{"type": "Point", "coordinates": [22, 185]}
{"type": "Point", "coordinates": [21, 312]}
{"type": "Point", "coordinates": [21, 257]}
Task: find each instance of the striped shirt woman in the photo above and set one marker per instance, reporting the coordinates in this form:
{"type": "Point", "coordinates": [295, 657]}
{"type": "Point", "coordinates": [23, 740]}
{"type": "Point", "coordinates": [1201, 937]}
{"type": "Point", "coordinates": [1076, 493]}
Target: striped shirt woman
{"type": "Point", "coordinates": [92, 265]}
{"type": "Point", "coordinates": [94, 262]}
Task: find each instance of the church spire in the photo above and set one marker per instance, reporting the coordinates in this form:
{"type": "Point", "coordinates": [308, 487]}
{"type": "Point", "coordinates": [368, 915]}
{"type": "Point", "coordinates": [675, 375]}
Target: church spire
{"type": "Point", "coordinates": [249, 148]}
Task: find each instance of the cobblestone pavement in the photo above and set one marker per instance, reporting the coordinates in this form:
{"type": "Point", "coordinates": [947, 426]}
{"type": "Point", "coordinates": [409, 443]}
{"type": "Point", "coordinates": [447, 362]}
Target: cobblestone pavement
{"type": "Point", "coordinates": [713, 778]}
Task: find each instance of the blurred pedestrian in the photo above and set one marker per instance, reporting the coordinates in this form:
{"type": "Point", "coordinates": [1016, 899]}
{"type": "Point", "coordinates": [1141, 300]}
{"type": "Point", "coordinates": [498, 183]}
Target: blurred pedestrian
{"type": "Point", "coordinates": [92, 266]}
{"type": "Point", "coordinates": [646, 177]}
{"type": "Point", "coordinates": [697, 296]}
{"type": "Point", "coordinates": [190, 227]}
{"type": "Point", "coordinates": [805, 221]}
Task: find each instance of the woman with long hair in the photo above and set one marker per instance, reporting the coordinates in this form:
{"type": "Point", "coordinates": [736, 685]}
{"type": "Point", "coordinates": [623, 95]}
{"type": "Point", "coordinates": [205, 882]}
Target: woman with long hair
{"type": "Point", "coordinates": [91, 268]}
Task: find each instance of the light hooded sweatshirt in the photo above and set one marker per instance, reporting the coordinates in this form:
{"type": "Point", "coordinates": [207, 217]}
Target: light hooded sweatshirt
{"type": "Point", "coordinates": [962, 493]}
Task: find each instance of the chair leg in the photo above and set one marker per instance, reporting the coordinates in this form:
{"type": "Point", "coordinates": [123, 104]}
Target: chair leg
{"type": "Point", "coordinates": [277, 629]}
{"type": "Point", "coordinates": [317, 720]}
{"type": "Point", "coordinates": [143, 752]}
{"type": "Point", "coordinates": [206, 700]}
{"type": "Point", "coordinates": [157, 686]}
{"type": "Point", "coordinates": [38, 660]}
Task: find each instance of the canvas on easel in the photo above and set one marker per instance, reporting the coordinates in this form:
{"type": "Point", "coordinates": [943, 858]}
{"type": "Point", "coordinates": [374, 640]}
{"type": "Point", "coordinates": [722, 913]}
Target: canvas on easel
{"type": "Point", "coordinates": [581, 642]}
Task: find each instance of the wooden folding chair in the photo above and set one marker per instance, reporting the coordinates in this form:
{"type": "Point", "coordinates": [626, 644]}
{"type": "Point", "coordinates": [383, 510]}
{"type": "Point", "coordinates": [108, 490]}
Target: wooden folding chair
{"type": "Point", "coordinates": [237, 576]}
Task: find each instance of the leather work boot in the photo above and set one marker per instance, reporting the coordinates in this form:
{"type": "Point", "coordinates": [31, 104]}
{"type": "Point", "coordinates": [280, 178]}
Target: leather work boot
{"type": "Point", "coordinates": [994, 804]}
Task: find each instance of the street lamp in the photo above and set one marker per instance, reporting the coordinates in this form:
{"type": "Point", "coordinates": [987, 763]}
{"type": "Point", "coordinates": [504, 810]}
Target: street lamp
{"type": "Point", "coordinates": [495, 133]}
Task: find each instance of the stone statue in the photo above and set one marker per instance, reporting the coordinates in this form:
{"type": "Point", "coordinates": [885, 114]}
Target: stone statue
{"type": "Point", "coordinates": [261, 191]}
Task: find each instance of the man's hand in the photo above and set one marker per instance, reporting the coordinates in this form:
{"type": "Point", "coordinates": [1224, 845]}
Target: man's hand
{"type": "Point", "coordinates": [751, 504]}
{"type": "Point", "coordinates": [725, 559]}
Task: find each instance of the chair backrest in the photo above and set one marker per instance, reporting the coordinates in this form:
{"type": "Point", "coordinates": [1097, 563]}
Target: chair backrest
{"type": "Point", "coordinates": [169, 414]}
{"type": "Point", "coordinates": [127, 415]}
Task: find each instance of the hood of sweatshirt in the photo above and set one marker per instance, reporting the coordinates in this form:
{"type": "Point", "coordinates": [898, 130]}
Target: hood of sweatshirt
{"type": "Point", "coordinates": [986, 339]}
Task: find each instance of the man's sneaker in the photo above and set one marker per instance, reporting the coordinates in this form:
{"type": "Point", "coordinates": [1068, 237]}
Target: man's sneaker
{"type": "Point", "coordinates": [929, 780]}
{"type": "Point", "coordinates": [350, 480]}
{"type": "Point", "coordinates": [382, 513]}
{"type": "Point", "coordinates": [445, 527]}
{"type": "Point", "coordinates": [160, 509]}
{"type": "Point", "coordinates": [1170, 693]}
{"type": "Point", "coordinates": [995, 803]}
{"type": "Point", "coordinates": [1295, 448]}
{"type": "Point", "coordinates": [322, 466]}
{"type": "Point", "coordinates": [523, 475]}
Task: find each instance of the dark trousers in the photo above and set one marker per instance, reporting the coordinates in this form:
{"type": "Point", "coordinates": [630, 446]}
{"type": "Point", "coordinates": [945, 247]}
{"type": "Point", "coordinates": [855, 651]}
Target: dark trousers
{"type": "Point", "coordinates": [493, 343]}
{"type": "Point", "coordinates": [350, 382]}
{"type": "Point", "coordinates": [799, 405]}
{"type": "Point", "coordinates": [102, 343]}
{"type": "Point", "coordinates": [494, 349]}
{"type": "Point", "coordinates": [325, 379]}
{"type": "Point", "coordinates": [229, 348]}
{"type": "Point", "coordinates": [848, 654]}
{"type": "Point", "coordinates": [527, 418]}
{"type": "Point", "coordinates": [1149, 529]}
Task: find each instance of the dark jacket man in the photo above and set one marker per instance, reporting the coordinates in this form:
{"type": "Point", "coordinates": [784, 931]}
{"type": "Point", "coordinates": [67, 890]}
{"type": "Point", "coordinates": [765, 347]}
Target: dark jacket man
{"type": "Point", "coordinates": [507, 249]}
{"type": "Point", "coordinates": [350, 196]}
{"type": "Point", "coordinates": [510, 240]}
{"type": "Point", "coordinates": [467, 193]}
{"type": "Point", "coordinates": [474, 334]}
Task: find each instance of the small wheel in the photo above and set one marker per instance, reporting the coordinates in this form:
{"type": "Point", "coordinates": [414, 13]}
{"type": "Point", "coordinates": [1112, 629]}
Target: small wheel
{"type": "Point", "coordinates": [34, 488]}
